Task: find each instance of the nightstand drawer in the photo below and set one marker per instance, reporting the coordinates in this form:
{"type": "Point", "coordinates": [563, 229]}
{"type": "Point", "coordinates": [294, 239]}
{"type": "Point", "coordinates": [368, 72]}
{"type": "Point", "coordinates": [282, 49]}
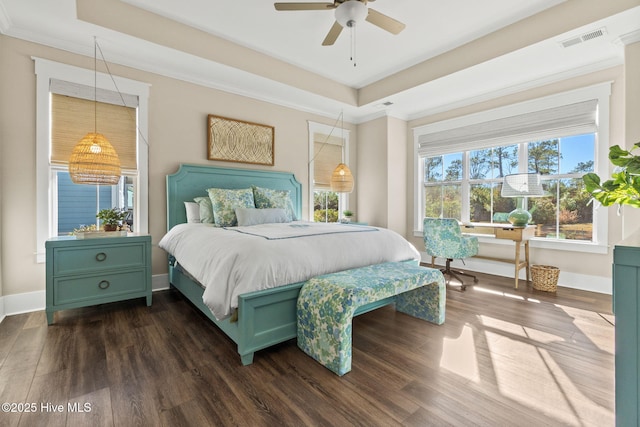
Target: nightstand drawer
{"type": "Point", "coordinates": [77, 289]}
{"type": "Point", "coordinates": [91, 258]}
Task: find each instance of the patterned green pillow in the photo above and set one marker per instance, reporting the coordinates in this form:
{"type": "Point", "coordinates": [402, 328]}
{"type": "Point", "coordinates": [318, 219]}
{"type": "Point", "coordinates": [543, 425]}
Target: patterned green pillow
{"type": "Point", "coordinates": [206, 210]}
{"type": "Point", "coordinates": [267, 198]}
{"type": "Point", "coordinates": [225, 202]}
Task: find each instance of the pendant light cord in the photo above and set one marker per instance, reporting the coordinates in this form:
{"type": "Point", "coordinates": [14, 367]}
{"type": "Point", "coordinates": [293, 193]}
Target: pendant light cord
{"type": "Point", "coordinates": [340, 117]}
{"type": "Point", "coordinates": [95, 85]}
{"type": "Point", "coordinates": [352, 42]}
{"type": "Point", "coordinates": [113, 80]}
{"type": "Point", "coordinates": [353, 48]}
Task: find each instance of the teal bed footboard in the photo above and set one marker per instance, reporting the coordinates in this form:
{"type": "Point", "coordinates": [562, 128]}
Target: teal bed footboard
{"type": "Point", "coordinates": [265, 318]}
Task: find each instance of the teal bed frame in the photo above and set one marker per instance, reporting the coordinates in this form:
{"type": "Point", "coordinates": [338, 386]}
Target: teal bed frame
{"type": "Point", "coordinates": [266, 317]}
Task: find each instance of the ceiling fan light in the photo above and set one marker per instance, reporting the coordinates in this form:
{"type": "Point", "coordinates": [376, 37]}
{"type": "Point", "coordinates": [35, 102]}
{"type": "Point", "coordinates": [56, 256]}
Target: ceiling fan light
{"type": "Point", "coordinates": [351, 12]}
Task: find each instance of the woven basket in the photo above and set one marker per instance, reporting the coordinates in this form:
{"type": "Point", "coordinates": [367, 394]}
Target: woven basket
{"type": "Point", "coordinates": [545, 277]}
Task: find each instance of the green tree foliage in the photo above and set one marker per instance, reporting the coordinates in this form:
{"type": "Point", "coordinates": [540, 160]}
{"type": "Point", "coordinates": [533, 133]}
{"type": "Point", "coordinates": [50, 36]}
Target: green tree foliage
{"type": "Point", "coordinates": [505, 159]}
{"type": "Point", "coordinates": [544, 157]}
{"type": "Point", "coordinates": [543, 211]}
{"type": "Point", "coordinates": [325, 206]}
{"type": "Point", "coordinates": [479, 164]}
{"type": "Point", "coordinates": [583, 167]}
{"type": "Point", "coordinates": [433, 169]}
{"type": "Point", "coordinates": [454, 171]}
{"type": "Point", "coordinates": [325, 215]}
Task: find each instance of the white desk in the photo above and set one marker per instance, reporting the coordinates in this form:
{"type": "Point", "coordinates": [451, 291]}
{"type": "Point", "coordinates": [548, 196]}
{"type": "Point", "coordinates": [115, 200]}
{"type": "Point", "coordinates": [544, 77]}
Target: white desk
{"type": "Point", "coordinates": [509, 232]}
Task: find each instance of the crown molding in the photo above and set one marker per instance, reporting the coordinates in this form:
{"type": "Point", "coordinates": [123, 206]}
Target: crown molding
{"type": "Point", "coordinates": [629, 38]}
{"type": "Point", "coordinates": [235, 87]}
{"type": "Point", "coordinates": [510, 90]}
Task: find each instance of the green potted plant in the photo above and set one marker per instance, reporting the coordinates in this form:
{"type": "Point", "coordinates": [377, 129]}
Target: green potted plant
{"type": "Point", "coordinates": [347, 214]}
{"type": "Point", "coordinates": [624, 186]}
{"type": "Point", "coordinates": [112, 218]}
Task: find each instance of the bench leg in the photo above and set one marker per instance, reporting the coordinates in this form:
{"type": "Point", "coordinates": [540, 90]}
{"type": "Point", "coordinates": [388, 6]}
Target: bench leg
{"type": "Point", "coordinates": [325, 316]}
{"type": "Point", "coordinates": [427, 302]}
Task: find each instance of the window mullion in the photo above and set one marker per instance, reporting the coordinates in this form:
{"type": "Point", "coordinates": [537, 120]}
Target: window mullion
{"type": "Point", "coordinates": [465, 189]}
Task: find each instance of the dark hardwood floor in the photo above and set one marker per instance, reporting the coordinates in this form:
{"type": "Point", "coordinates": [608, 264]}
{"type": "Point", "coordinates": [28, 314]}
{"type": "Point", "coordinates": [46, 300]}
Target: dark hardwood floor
{"type": "Point", "coordinates": [502, 358]}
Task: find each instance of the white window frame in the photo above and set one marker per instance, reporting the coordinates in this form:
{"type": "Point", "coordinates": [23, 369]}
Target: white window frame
{"type": "Point", "coordinates": [601, 92]}
{"type": "Point", "coordinates": [334, 131]}
{"type": "Point", "coordinates": [46, 189]}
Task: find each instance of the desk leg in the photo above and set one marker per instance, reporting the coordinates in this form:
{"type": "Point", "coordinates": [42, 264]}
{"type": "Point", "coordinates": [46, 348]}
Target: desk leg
{"type": "Point", "coordinates": [526, 257]}
{"type": "Point", "coordinates": [517, 262]}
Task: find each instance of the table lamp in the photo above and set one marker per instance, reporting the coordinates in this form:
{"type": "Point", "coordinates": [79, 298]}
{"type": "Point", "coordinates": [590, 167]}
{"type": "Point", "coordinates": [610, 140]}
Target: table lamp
{"type": "Point", "coordinates": [521, 185]}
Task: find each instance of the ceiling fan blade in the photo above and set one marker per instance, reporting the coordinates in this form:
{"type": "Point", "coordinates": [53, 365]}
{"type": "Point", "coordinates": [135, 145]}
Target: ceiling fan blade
{"type": "Point", "coordinates": [304, 6]}
{"type": "Point", "coordinates": [333, 34]}
{"type": "Point", "coordinates": [384, 22]}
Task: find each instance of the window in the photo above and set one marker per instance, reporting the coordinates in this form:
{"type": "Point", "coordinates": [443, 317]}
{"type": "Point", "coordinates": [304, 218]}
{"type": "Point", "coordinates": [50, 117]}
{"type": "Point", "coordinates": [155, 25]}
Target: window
{"type": "Point", "coordinates": [563, 214]}
{"type": "Point", "coordinates": [462, 164]}
{"type": "Point", "coordinates": [487, 169]}
{"type": "Point", "coordinates": [73, 114]}
{"type": "Point", "coordinates": [328, 148]}
{"type": "Point", "coordinates": [443, 186]}
{"type": "Point", "coordinates": [62, 205]}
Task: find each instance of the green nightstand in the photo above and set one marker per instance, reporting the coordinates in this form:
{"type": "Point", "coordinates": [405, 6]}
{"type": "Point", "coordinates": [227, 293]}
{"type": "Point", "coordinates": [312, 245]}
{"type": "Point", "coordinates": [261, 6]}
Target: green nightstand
{"type": "Point", "coordinates": [84, 272]}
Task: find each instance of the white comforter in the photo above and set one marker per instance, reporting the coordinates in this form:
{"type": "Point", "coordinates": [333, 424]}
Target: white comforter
{"type": "Point", "coordinates": [231, 262]}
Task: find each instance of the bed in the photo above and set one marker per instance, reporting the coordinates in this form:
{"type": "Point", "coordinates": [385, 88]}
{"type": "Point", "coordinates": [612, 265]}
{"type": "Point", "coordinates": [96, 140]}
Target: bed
{"type": "Point", "coordinates": [264, 317]}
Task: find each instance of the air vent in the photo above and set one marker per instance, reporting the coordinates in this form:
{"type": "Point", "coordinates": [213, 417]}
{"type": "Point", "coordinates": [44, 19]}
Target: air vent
{"type": "Point", "coordinates": [571, 42]}
{"type": "Point", "coordinates": [584, 37]}
{"type": "Point", "coordinates": [384, 105]}
{"type": "Point", "coordinates": [593, 34]}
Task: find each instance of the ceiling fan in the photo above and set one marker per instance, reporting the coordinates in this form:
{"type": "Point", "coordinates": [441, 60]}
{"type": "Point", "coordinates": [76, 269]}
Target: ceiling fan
{"type": "Point", "coordinates": [348, 13]}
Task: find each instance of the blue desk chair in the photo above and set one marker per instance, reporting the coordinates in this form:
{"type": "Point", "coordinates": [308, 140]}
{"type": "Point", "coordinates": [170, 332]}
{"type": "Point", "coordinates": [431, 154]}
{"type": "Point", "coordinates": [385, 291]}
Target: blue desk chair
{"type": "Point", "coordinates": [443, 239]}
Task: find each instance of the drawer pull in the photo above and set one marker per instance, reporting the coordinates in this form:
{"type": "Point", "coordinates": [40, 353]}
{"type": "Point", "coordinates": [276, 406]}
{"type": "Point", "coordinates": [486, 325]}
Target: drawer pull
{"type": "Point", "coordinates": [104, 284]}
{"type": "Point", "coordinates": [101, 257]}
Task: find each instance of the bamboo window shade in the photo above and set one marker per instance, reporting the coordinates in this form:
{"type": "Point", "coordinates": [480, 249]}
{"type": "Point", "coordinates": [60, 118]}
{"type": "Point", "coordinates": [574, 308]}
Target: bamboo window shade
{"type": "Point", "coordinates": [327, 155]}
{"type": "Point", "coordinates": [72, 118]}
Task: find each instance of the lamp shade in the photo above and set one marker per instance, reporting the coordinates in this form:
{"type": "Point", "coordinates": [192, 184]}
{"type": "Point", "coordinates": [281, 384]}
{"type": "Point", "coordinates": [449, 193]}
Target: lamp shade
{"type": "Point", "coordinates": [351, 12]}
{"type": "Point", "coordinates": [94, 161]}
{"type": "Point", "coordinates": [341, 179]}
{"type": "Point", "coordinates": [522, 185]}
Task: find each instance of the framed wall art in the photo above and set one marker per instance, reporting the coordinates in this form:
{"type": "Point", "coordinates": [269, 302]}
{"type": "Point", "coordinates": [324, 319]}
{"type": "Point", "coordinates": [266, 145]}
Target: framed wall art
{"type": "Point", "coordinates": [238, 141]}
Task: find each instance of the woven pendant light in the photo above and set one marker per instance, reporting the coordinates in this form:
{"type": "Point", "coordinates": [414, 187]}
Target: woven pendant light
{"type": "Point", "coordinates": [342, 179]}
{"type": "Point", "coordinates": [94, 161]}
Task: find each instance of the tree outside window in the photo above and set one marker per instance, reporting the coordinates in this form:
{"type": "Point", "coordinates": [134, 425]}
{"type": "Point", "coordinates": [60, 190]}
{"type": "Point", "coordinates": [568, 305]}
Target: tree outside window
{"type": "Point", "coordinates": [325, 206]}
{"type": "Point", "coordinates": [564, 213]}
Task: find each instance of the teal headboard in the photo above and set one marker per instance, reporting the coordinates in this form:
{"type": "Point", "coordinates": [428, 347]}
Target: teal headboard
{"type": "Point", "coordinates": [193, 180]}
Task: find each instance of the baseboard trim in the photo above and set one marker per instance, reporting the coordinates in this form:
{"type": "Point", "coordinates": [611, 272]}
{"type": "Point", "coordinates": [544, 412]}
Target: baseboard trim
{"type": "Point", "coordinates": [34, 301]}
{"type": "Point", "coordinates": [2, 312]}
{"type": "Point", "coordinates": [599, 284]}
{"type": "Point", "coordinates": [29, 302]}
{"type": "Point", "coordinates": [160, 282]}
{"type": "Point", "coordinates": [24, 303]}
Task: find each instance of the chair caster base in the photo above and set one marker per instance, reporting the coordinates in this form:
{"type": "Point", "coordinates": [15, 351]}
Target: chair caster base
{"type": "Point", "coordinates": [456, 275]}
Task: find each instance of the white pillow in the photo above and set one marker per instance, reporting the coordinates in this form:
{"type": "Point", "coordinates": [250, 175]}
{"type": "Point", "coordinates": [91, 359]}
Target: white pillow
{"type": "Point", "coordinates": [193, 212]}
{"type": "Point", "coordinates": [252, 216]}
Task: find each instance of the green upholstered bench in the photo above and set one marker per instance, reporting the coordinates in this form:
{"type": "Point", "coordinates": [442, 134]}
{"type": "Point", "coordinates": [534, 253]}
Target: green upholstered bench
{"type": "Point", "coordinates": [327, 304]}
